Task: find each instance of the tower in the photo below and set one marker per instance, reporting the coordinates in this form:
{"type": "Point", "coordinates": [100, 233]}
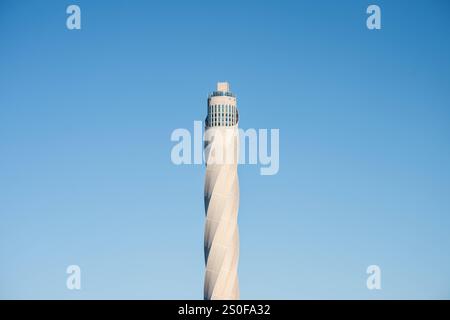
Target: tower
{"type": "Point", "coordinates": [221, 196]}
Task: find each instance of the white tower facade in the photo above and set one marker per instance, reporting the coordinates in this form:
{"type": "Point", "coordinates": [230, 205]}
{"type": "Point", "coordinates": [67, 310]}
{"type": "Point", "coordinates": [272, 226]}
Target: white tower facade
{"type": "Point", "coordinates": [221, 196]}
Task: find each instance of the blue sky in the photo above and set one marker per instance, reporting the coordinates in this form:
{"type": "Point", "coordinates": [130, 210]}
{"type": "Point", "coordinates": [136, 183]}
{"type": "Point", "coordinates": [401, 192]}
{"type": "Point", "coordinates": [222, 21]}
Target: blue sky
{"type": "Point", "coordinates": [85, 170]}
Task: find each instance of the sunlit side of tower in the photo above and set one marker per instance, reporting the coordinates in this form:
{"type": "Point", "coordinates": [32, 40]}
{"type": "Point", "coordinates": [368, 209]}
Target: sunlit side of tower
{"type": "Point", "coordinates": [221, 196]}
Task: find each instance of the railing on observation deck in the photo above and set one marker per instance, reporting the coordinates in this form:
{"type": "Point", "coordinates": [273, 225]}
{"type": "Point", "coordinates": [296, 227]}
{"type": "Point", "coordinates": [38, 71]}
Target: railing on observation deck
{"type": "Point", "coordinates": [220, 93]}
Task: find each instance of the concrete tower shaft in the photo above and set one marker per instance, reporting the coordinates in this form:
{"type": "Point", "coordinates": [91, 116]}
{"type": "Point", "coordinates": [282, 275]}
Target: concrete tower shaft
{"type": "Point", "coordinates": [221, 196]}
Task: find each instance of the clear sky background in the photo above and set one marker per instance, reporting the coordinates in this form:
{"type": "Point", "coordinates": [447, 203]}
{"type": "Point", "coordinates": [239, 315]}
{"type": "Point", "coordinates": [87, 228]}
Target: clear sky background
{"type": "Point", "coordinates": [86, 176]}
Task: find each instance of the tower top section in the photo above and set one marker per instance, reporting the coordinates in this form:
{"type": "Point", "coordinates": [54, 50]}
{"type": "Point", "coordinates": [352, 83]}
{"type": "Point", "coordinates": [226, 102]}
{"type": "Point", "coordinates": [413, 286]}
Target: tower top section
{"type": "Point", "coordinates": [223, 86]}
{"type": "Point", "coordinates": [222, 109]}
{"type": "Point", "coordinates": [223, 89]}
